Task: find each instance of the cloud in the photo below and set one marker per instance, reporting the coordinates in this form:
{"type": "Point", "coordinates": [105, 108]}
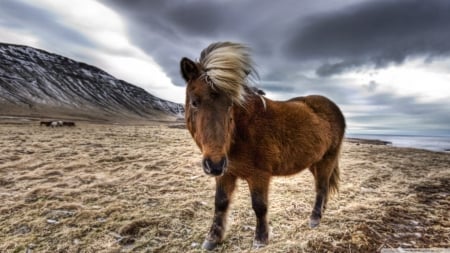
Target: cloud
{"type": "Point", "coordinates": [169, 30]}
{"type": "Point", "coordinates": [405, 114]}
{"type": "Point", "coordinates": [40, 26]}
{"type": "Point", "coordinates": [374, 34]}
{"type": "Point", "coordinates": [328, 69]}
{"type": "Point", "coordinates": [372, 86]}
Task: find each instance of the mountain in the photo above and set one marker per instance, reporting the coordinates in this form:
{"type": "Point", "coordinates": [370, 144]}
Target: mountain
{"type": "Point", "coordinates": [37, 83]}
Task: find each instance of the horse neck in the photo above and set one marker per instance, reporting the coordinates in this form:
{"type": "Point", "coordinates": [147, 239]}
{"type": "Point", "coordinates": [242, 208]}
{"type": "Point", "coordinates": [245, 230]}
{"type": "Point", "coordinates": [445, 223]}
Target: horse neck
{"type": "Point", "coordinates": [254, 106]}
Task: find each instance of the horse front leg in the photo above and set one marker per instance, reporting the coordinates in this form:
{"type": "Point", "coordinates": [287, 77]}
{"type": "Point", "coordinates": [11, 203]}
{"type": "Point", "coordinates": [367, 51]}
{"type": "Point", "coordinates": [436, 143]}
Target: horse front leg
{"type": "Point", "coordinates": [224, 189]}
{"type": "Point", "coordinates": [259, 189]}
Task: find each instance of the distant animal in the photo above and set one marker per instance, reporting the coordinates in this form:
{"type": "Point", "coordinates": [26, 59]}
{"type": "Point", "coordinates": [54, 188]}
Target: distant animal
{"type": "Point", "coordinates": [58, 123]}
{"type": "Point", "coordinates": [68, 123]}
{"type": "Point", "coordinates": [45, 123]}
{"type": "Point", "coordinates": [242, 134]}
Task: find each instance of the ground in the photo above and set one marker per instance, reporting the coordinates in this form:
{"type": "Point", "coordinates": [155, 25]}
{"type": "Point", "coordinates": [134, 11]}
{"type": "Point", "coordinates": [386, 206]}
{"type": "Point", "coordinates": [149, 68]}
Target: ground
{"type": "Point", "coordinates": [140, 188]}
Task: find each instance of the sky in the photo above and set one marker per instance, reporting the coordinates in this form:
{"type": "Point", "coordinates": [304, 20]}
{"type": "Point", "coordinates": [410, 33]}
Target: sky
{"type": "Point", "coordinates": [386, 63]}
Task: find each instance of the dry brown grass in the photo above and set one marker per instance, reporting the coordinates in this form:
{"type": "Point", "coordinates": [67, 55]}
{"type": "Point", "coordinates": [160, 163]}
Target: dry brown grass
{"type": "Point", "coordinates": [116, 188]}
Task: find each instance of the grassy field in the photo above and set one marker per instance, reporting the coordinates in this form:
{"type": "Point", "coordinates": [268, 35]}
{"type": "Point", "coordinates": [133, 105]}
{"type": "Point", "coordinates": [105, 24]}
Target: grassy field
{"type": "Point", "coordinates": [119, 188]}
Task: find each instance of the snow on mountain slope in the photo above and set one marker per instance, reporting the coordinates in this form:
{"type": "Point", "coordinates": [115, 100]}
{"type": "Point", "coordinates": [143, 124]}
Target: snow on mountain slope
{"type": "Point", "coordinates": [43, 83]}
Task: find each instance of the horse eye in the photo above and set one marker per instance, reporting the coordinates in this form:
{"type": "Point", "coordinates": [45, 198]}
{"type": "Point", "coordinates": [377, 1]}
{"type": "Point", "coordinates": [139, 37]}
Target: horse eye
{"type": "Point", "coordinates": [195, 103]}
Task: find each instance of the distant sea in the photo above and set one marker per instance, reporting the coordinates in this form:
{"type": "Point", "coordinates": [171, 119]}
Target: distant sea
{"type": "Point", "coordinates": [433, 143]}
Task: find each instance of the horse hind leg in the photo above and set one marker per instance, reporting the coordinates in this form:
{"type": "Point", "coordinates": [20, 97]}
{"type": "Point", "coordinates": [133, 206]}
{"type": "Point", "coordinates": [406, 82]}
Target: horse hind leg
{"type": "Point", "coordinates": [326, 176]}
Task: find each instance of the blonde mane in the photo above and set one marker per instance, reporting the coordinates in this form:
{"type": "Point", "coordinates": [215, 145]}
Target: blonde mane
{"type": "Point", "coordinates": [229, 68]}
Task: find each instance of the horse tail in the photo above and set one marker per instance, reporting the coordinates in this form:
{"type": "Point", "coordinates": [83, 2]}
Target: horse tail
{"type": "Point", "coordinates": [333, 186]}
{"type": "Point", "coordinates": [334, 179]}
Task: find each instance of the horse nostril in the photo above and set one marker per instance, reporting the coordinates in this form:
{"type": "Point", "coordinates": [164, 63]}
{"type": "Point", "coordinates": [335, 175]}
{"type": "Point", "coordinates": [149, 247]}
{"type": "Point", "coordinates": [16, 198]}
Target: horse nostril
{"type": "Point", "coordinates": [206, 165]}
{"type": "Point", "coordinates": [213, 168]}
{"type": "Point", "coordinates": [223, 163]}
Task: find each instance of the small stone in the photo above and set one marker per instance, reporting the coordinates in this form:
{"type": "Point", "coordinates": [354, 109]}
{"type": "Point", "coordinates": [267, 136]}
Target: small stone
{"type": "Point", "coordinates": [50, 221]}
{"type": "Point", "coordinates": [413, 222]}
{"type": "Point", "coordinates": [195, 244]}
{"type": "Point", "coordinates": [102, 220]}
{"type": "Point", "coordinates": [248, 228]}
{"type": "Point", "coordinates": [24, 229]}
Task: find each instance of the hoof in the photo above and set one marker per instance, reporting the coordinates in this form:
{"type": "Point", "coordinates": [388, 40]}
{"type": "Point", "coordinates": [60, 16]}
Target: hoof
{"type": "Point", "coordinates": [314, 222]}
{"type": "Point", "coordinates": [209, 245]}
{"type": "Point", "coordinates": [258, 244]}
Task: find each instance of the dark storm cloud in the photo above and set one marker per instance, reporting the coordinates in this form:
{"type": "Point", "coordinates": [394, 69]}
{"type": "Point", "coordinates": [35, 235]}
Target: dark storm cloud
{"type": "Point", "coordinates": [21, 16]}
{"type": "Point", "coordinates": [208, 19]}
{"type": "Point", "coordinates": [169, 30]}
{"type": "Point", "coordinates": [200, 18]}
{"type": "Point", "coordinates": [292, 35]}
{"type": "Point", "coordinates": [377, 33]}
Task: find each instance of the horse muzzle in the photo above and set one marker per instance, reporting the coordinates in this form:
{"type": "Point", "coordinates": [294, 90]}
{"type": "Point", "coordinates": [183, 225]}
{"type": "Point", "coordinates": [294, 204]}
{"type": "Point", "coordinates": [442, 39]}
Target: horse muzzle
{"type": "Point", "coordinates": [215, 168]}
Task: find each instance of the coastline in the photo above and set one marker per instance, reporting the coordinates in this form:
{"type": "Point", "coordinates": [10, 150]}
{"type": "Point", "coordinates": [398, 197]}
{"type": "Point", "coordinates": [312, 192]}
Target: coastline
{"type": "Point", "coordinates": [367, 141]}
{"type": "Point", "coordinates": [422, 142]}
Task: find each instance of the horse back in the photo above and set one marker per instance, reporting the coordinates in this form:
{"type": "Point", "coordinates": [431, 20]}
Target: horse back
{"type": "Point", "coordinates": [327, 110]}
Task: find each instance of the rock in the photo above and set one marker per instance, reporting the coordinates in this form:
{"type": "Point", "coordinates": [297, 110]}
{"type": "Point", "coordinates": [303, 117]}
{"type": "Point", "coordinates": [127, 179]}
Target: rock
{"type": "Point", "coordinates": [51, 221]}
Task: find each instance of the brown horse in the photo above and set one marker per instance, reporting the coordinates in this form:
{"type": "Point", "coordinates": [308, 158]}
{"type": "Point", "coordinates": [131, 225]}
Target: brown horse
{"type": "Point", "coordinates": [242, 134]}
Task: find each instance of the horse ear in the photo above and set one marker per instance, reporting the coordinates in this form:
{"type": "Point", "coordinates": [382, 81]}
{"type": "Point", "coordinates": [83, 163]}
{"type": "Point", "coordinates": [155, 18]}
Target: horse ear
{"type": "Point", "coordinates": [189, 70]}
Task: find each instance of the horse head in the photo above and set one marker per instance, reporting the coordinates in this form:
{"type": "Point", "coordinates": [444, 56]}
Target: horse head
{"type": "Point", "coordinates": [214, 85]}
{"type": "Point", "coordinates": [209, 118]}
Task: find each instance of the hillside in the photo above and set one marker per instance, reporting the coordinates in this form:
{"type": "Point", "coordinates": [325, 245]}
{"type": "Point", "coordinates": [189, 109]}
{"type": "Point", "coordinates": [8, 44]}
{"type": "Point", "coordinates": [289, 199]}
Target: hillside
{"type": "Point", "coordinates": [37, 83]}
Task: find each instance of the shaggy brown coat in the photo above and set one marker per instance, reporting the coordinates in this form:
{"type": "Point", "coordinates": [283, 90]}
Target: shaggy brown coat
{"type": "Point", "coordinates": [244, 135]}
